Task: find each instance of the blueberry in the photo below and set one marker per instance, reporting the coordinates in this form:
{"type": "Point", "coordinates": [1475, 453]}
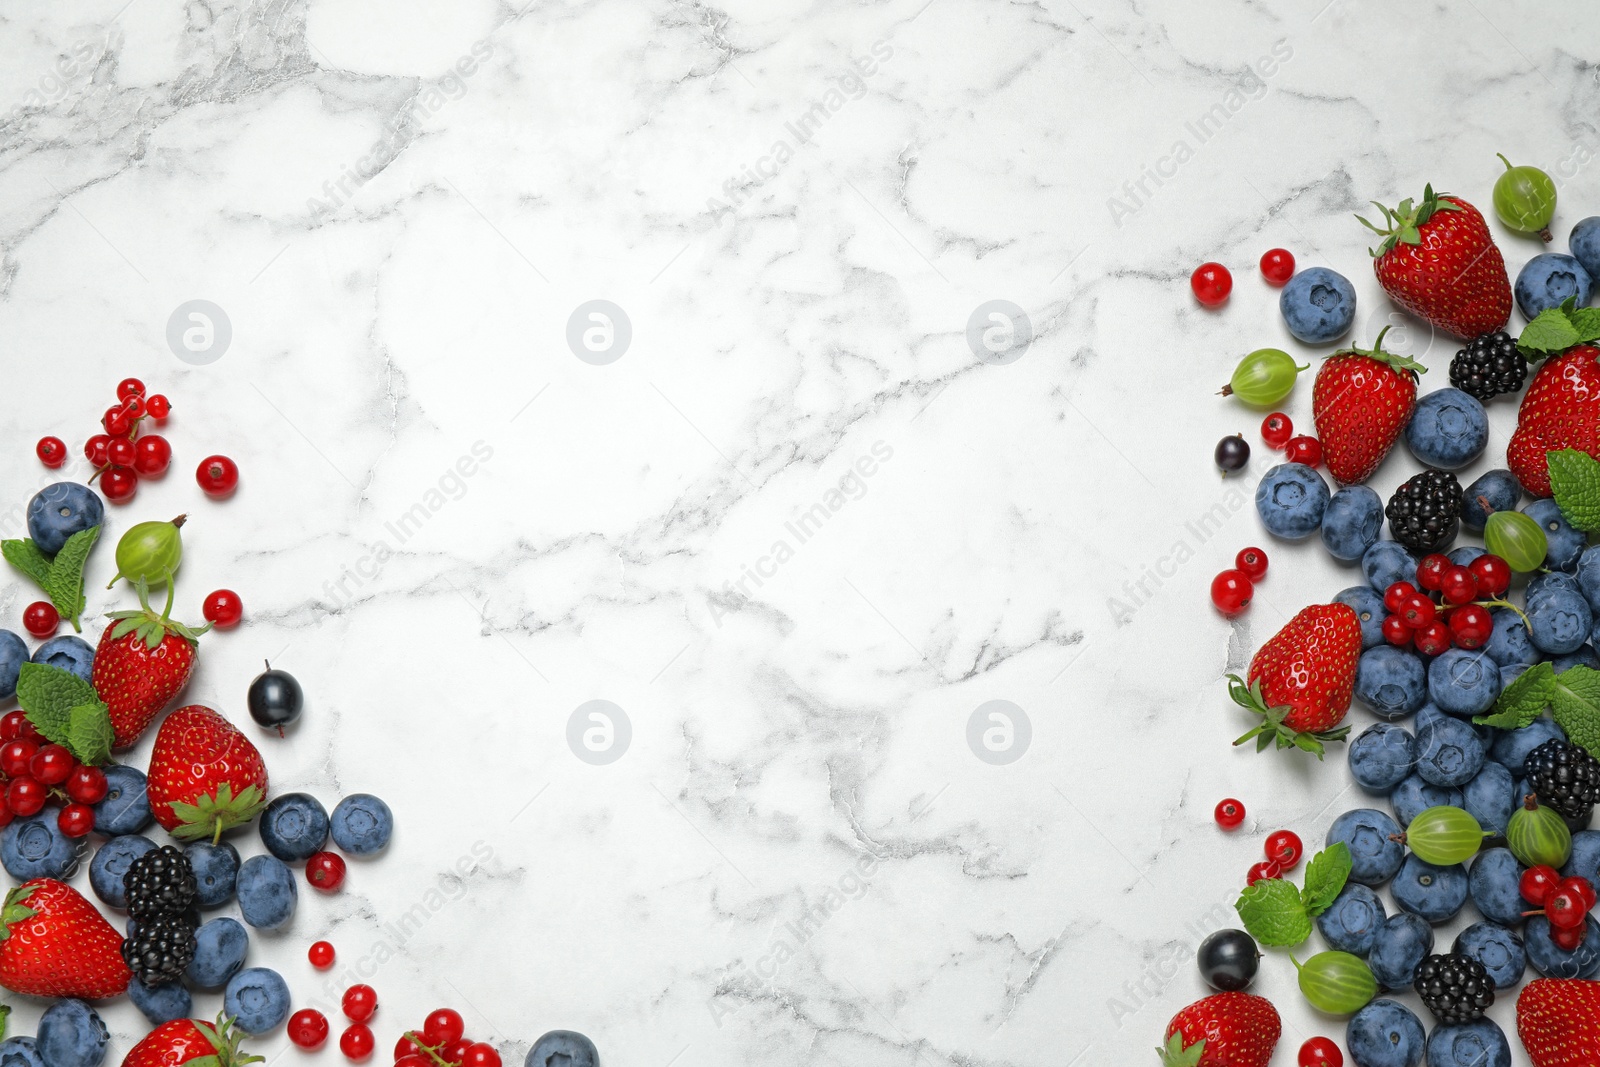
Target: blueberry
{"type": "Point", "coordinates": [1391, 681]}
{"type": "Point", "coordinates": [294, 827]}
{"type": "Point", "coordinates": [1548, 279]}
{"type": "Point", "coordinates": [1564, 545]}
{"type": "Point", "coordinates": [111, 864]}
{"type": "Point", "coordinates": [1351, 923]}
{"type": "Point", "coordinates": [1463, 683]}
{"type": "Point", "coordinates": [1351, 521]}
{"type": "Point", "coordinates": [1367, 832]}
{"type": "Point", "coordinates": [1430, 713]}
{"type": "Point", "coordinates": [1429, 891]}
{"type": "Point", "coordinates": [219, 948]}
{"type": "Point", "coordinates": [72, 1035]}
{"type": "Point", "coordinates": [1584, 657]}
{"type": "Point", "coordinates": [1401, 943]}
{"type": "Point", "coordinates": [35, 847]}
{"type": "Point", "coordinates": [13, 654]}
{"type": "Point", "coordinates": [1499, 487]}
{"type": "Point", "coordinates": [20, 1052]}
{"type": "Point", "coordinates": [1318, 305]}
{"type": "Point", "coordinates": [1497, 948]}
{"type": "Point", "coordinates": [1589, 577]}
{"type": "Point", "coordinates": [126, 807]}
{"type": "Point", "coordinates": [1559, 620]}
{"type": "Point", "coordinates": [1367, 603]}
{"type": "Point", "coordinates": [1491, 797]}
{"type": "Point", "coordinates": [1387, 562]}
{"type": "Point", "coordinates": [162, 1003]}
{"type": "Point", "coordinates": [1584, 860]}
{"type": "Point", "coordinates": [563, 1048]}
{"type": "Point", "coordinates": [1385, 1033]}
{"type": "Point", "coordinates": [1509, 644]}
{"type": "Point", "coordinates": [1475, 1044]}
{"type": "Point", "coordinates": [1511, 748]}
{"type": "Point", "coordinates": [1449, 753]}
{"type": "Point", "coordinates": [216, 871]}
{"type": "Point", "coordinates": [267, 893]}
{"type": "Point", "coordinates": [1493, 884]}
{"type": "Point", "coordinates": [1381, 757]}
{"type": "Point", "coordinates": [1546, 582]}
{"type": "Point", "coordinates": [1448, 430]}
{"type": "Point", "coordinates": [258, 998]}
{"type": "Point", "coordinates": [71, 654]}
{"type": "Point", "coordinates": [1463, 556]}
{"type": "Point", "coordinates": [1551, 961]}
{"type": "Point", "coordinates": [58, 511]}
{"type": "Point", "coordinates": [1584, 243]}
{"type": "Point", "coordinates": [362, 824]}
{"type": "Point", "coordinates": [1414, 795]}
{"type": "Point", "coordinates": [1291, 500]}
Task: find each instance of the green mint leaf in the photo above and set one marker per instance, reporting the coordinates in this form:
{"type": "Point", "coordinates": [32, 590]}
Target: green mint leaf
{"type": "Point", "coordinates": [1551, 332]}
{"type": "Point", "coordinates": [1524, 700]}
{"type": "Point", "coordinates": [1325, 878]}
{"type": "Point", "coordinates": [65, 582]}
{"type": "Point", "coordinates": [1587, 322]}
{"type": "Point", "coordinates": [1575, 481]}
{"type": "Point", "coordinates": [89, 733]}
{"type": "Point", "coordinates": [26, 557]}
{"type": "Point", "coordinates": [1273, 913]}
{"type": "Point", "coordinates": [1575, 705]}
{"type": "Point", "coordinates": [48, 694]}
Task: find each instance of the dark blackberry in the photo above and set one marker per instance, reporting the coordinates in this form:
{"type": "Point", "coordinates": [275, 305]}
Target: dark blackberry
{"type": "Point", "coordinates": [1425, 512]}
{"type": "Point", "coordinates": [1488, 366]}
{"type": "Point", "coordinates": [160, 882]}
{"type": "Point", "coordinates": [1455, 987]}
{"type": "Point", "coordinates": [160, 949]}
{"type": "Point", "coordinates": [1564, 777]}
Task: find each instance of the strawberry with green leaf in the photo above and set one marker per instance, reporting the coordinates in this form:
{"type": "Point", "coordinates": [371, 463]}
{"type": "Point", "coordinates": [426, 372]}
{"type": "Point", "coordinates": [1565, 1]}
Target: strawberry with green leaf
{"type": "Point", "coordinates": [205, 776]}
{"type": "Point", "coordinates": [1223, 1030]}
{"type": "Point", "coordinates": [1361, 401]}
{"type": "Point", "coordinates": [60, 577]}
{"type": "Point", "coordinates": [54, 943]}
{"type": "Point", "coordinates": [192, 1042]}
{"type": "Point", "coordinates": [1301, 680]}
{"type": "Point", "coordinates": [142, 662]}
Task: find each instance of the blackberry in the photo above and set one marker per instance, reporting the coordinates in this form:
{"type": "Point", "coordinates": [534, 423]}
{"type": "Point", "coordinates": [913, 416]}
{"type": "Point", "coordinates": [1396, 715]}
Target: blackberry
{"type": "Point", "coordinates": [160, 949]}
{"type": "Point", "coordinates": [159, 883]}
{"type": "Point", "coordinates": [1488, 366]}
{"type": "Point", "coordinates": [1425, 512]}
{"type": "Point", "coordinates": [1564, 777]}
{"type": "Point", "coordinates": [1455, 987]}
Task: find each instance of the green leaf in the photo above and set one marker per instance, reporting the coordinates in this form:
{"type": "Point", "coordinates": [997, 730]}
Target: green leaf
{"type": "Point", "coordinates": [1550, 332]}
{"type": "Point", "coordinates": [1273, 913]}
{"type": "Point", "coordinates": [89, 733]}
{"type": "Point", "coordinates": [1575, 705]}
{"type": "Point", "coordinates": [1586, 321]}
{"type": "Point", "coordinates": [48, 694]}
{"type": "Point", "coordinates": [1325, 878]}
{"type": "Point", "coordinates": [1575, 481]}
{"type": "Point", "coordinates": [1524, 700]}
{"type": "Point", "coordinates": [65, 582]}
{"type": "Point", "coordinates": [26, 557]}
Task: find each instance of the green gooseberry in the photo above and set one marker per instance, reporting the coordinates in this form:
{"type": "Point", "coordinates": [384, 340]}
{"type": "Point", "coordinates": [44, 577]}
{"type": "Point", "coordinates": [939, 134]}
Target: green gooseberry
{"type": "Point", "coordinates": [1525, 199]}
{"type": "Point", "coordinates": [149, 553]}
{"type": "Point", "coordinates": [1264, 377]}
{"type": "Point", "coordinates": [1537, 835]}
{"type": "Point", "coordinates": [1444, 835]}
{"type": "Point", "coordinates": [1516, 538]}
{"type": "Point", "coordinates": [1336, 982]}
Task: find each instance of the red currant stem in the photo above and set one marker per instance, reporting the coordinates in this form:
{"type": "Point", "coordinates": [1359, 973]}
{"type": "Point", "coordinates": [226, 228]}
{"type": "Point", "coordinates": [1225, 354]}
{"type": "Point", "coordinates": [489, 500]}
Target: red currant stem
{"type": "Point", "coordinates": [432, 1051]}
{"type": "Point", "coordinates": [1497, 603]}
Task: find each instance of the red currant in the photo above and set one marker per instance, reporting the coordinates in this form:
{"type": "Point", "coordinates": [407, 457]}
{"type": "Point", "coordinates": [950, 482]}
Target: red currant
{"type": "Point", "coordinates": [1253, 562]}
{"type": "Point", "coordinates": [1231, 591]}
{"type": "Point", "coordinates": [40, 618]}
{"type": "Point", "coordinates": [1396, 632]}
{"type": "Point", "coordinates": [52, 451]}
{"type": "Point", "coordinates": [218, 476]}
{"type": "Point", "coordinates": [1263, 871]}
{"type": "Point", "coordinates": [134, 406]}
{"type": "Point", "coordinates": [1430, 572]}
{"type": "Point", "coordinates": [87, 785]}
{"type": "Point", "coordinates": [1567, 940]}
{"type": "Point", "coordinates": [325, 871]}
{"type": "Point", "coordinates": [1417, 610]}
{"type": "Point", "coordinates": [1493, 574]}
{"type": "Point", "coordinates": [116, 421]}
{"type": "Point", "coordinates": [1537, 883]}
{"type": "Point", "coordinates": [11, 724]}
{"type": "Point", "coordinates": [151, 455]}
{"type": "Point", "coordinates": [1303, 449]}
{"type": "Point", "coordinates": [120, 452]}
{"type": "Point", "coordinates": [1284, 846]}
{"type": "Point", "coordinates": [1211, 283]}
{"type": "Point", "coordinates": [308, 1028]}
{"type": "Point", "coordinates": [52, 765]}
{"type": "Point", "coordinates": [1277, 266]}
{"type": "Point", "coordinates": [321, 955]}
{"type": "Point", "coordinates": [1458, 585]}
{"type": "Point", "coordinates": [480, 1054]}
{"type": "Point", "coordinates": [1565, 909]}
{"type": "Point", "coordinates": [1320, 1052]}
{"type": "Point", "coordinates": [158, 407]}
{"type": "Point", "coordinates": [94, 449]}
{"type": "Point", "coordinates": [16, 756]}
{"type": "Point", "coordinates": [1276, 429]}
{"type": "Point", "coordinates": [1394, 597]}
{"type": "Point", "coordinates": [1229, 814]}
{"type": "Point", "coordinates": [1471, 625]}
{"type": "Point", "coordinates": [129, 387]}
{"type": "Point", "coordinates": [359, 1002]}
{"type": "Point", "coordinates": [25, 796]}
{"type": "Point", "coordinates": [408, 1046]}
{"type": "Point", "coordinates": [119, 484]}
{"type": "Point", "coordinates": [455, 1052]}
{"type": "Point", "coordinates": [1581, 888]}
{"type": "Point", "coordinates": [223, 609]}
{"type": "Point", "coordinates": [414, 1059]}
{"type": "Point", "coordinates": [443, 1026]}
{"type": "Point", "coordinates": [76, 820]}
{"type": "Point", "coordinates": [356, 1042]}
{"type": "Point", "coordinates": [1433, 638]}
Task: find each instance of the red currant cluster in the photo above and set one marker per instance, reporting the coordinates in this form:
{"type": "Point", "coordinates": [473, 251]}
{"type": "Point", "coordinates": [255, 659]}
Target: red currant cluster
{"type": "Point", "coordinates": [1232, 590]}
{"type": "Point", "coordinates": [442, 1042]}
{"type": "Point", "coordinates": [1277, 430]}
{"type": "Point", "coordinates": [121, 455]}
{"type": "Point", "coordinates": [1283, 851]}
{"type": "Point", "coordinates": [1566, 902]}
{"type": "Point", "coordinates": [1457, 618]}
{"type": "Point", "coordinates": [34, 772]}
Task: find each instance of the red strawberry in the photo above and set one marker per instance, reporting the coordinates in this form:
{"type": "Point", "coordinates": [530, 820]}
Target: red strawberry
{"type": "Point", "coordinates": [1561, 409]}
{"type": "Point", "coordinates": [1361, 401]}
{"type": "Point", "coordinates": [182, 1041]}
{"type": "Point", "coordinates": [1301, 680]}
{"type": "Point", "coordinates": [205, 776]}
{"type": "Point", "coordinates": [1223, 1030]}
{"type": "Point", "coordinates": [1558, 1020]}
{"type": "Point", "coordinates": [1438, 261]}
{"type": "Point", "coordinates": [141, 663]}
{"type": "Point", "coordinates": [54, 943]}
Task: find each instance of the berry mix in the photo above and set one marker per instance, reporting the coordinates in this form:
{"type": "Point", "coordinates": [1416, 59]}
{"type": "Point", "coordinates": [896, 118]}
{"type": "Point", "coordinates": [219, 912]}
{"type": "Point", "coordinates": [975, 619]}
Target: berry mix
{"type": "Point", "coordinates": [67, 796]}
{"type": "Point", "coordinates": [1470, 635]}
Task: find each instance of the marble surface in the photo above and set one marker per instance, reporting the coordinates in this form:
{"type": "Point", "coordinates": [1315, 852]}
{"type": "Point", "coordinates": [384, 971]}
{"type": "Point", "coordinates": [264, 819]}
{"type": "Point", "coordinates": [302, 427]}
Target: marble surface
{"type": "Point", "coordinates": [773, 507]}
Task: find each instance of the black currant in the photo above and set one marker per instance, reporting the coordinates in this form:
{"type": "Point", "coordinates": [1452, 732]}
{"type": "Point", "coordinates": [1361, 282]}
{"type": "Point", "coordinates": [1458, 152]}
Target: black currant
{"type": "Point", "coordinates": [275, 699]}
{"type": "Point", "coordinates": [1228, 960]}
{"type": "Point", "coordinates": [1232, 453]}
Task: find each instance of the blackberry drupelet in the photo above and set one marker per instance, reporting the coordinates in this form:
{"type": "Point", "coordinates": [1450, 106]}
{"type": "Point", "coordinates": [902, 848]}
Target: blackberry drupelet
{"type": "Point", "coordinates": [1425, 513]}
{"type": "Point", "coordinates": [1455, 987]}
{"type": "Point", "coordinates": [1564, 777]}
{"type": "Point", "coordinates": [161, 882]}
{"type": "Point", "coordinates": [160, 950]}
{"type": "Point", "coordinates": [1488, 366]}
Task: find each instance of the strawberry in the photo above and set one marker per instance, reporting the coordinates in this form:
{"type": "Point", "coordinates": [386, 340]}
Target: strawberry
{"type": "Point", "coordinates": [1301, 680]}
{"type": "Point", "coordinates": [1558, 1020]}
{"type": "Point", "coordinates": [141, 663]}
{"type": "Point", "coordinates": [54, 943]}
{"type": "Point", "coordinates": [205, 776]}
{"type": "Point", "coordinates": [1561, 409]}
{"type": "Point", "coordinates": [182, 1041]}
{"type": "Point", "coordinates": [1438, 261]}
{"type": "Point", "coordinates": [1361, 401]}
{"type": "Point", "coordinates": [1223, 1030]}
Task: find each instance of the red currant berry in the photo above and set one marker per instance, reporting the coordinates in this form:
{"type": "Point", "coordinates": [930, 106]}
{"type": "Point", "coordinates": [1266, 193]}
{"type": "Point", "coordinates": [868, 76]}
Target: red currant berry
{"type": "Point", "coordinates": [151, 455]}
{"type": "Point", "coordinates": [1231, 591]}
{"type": "Point", "coordinates": [1320, 1052]}
{"type": "Point", "coordinates": [325, 871]}
{"type": "Point", "coordinates": [1276, 429]}
{"type": "Point", "coordinates": [1394, 597]}
{"type": "Point", "coordinates": [1458, 585]}
{"type": "Point", "coordinates": [1285, 847]}
{"type": "Point", "coordinates": [218, 476]}
{"type": "Point", "coordinates": [119, 484]}
{"type": "Point", "coordinates": [408, 1046]}
{"type": "Point", "coordinates": [1303, 449]}
{"type": "Point", "coordinates": [443, 1027]}
{"type": "Point", "coordinates": [1430, 572]}
{"type": "Point", "coordinates": [1229, 814]}
{"type": "Point", "coordinates": [1565, 909]}
{"type": "Point", "coordinates": [11, 724]}
{"type": "Point", "coordinates": [1265, 870]}
{"type": "Point", "coordinates": [76, 820]}
{"type": "Point", "coordinates": [120, 452]}
{"type": "Point", "coordinates": [1211, 283]}
{"type": "Point", "coordinates": [1581, 888]}
{"type": "Point", "coordinates": [356, 1042]}
{"type": "Point", "coordinates": [1277, 266]}
{"type": "Point", "coordinates": [1417, 610]}
{"type": "Point", "coordinates": [134, 406]}
{"type": "Point", "coordinates": [1433, 639]}
{"type": "Point", "coordinates": [40, 618]}
{"type": "Point", "coordinates": [1471, 625]}
{"type": "Point", "coordinates": [25, 796]}
{"type": "Point", "coordinates": [414, 1059]}
{"type": "Point", "coordinates": [1253, 562]}
{"type": "Point", "coordinates": [1537, 883]}
{"type": "Point", "coordinates": [223, 609]}
{"type": "Point", "coordinates": [1396, 632]}
{"type": "Point", "coordinates": [16, 756]}
{"type": "Point", "coordinates": [321, 955]}
{"type": "Point", "coordinates": [52, 451]}
{"type": "Point", "coordinates": [359, 1002]}
{"type": "Point", "coordinates": [129, 387]}
{"type": "Point", "coordinates": [1493, 574]}
{"type": "Point", "coordinates": [116, 421]}
{"type": "Point", "coordinates": [480, 1054]}
{"type": "Point", "coordinates": [158, 407]}
{"type": "Point", "coordinates": [308, 1028]}
{"type": "Point", "coordinates": [94, 449]}
{"type": "Point", "coordinates": [52, 765]}
{"type": "Point", "coordinates": [1567, 940]}
{"type": "Point", "coordinates": [455, 1052]}
{"type": "Point", "coordinates": [87, 785]}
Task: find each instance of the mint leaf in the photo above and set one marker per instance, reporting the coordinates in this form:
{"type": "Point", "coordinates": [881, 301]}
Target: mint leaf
{"type": "Point", "coordinates": [1575, 705]}
{"type": "Point", "coordinates": [1550, 332]}
{"type": "Point", "coordinates": [1575, 481]}
{"type": "Point", "coordinates": [1524, 700]}
{"type": "Point", "coordinates": [1587, 322]}
{"type": "Point", "coordinates": [1273, 913]}
{"type": "Point", "coordinates": [26, 557]}
{"type": "Point", "coordinates": [1325, 878]}
{"type": "Point", "coordinates": [48, 694]}
{"type": "Point", "coordinates": [64, 585]}
{"type": "Point", "coordinates": [89, 733]}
